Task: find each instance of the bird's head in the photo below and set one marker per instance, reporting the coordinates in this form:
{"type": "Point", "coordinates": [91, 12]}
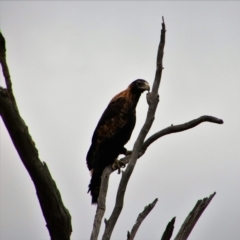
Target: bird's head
{"type": "Point", "coordinates": [139, 85]}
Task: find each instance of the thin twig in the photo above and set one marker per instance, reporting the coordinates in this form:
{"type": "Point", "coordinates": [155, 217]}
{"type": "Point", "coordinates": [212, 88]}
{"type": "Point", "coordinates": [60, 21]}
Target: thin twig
{"type": "Point", "coordinates": [193, 217]}
{"type": "Point", "coordinates": [141, 217]}
{"type": "Point", "coordinates": [5, 70]}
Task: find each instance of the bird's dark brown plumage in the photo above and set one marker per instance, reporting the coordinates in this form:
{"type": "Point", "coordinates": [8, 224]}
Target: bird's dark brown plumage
{"type": "Point", "coordinates": [113, 131]}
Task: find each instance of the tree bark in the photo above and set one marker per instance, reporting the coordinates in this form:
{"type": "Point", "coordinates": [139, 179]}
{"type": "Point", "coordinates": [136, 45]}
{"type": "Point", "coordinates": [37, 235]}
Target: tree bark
{"type": "Point", "coordinates": [57, 216]}
{"type": "Point", "coordinates": [141, 217]}
{"type": "Point", "coordinates": [193, 217]}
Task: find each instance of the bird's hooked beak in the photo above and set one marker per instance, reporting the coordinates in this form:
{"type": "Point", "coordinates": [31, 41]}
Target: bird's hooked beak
{"type": "Point", "coordinates": [145, 87]}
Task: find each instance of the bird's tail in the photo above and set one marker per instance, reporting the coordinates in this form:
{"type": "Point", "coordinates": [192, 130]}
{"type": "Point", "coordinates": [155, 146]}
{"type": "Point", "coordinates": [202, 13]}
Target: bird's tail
{"type": "Point", "coordinates": [94, 186]}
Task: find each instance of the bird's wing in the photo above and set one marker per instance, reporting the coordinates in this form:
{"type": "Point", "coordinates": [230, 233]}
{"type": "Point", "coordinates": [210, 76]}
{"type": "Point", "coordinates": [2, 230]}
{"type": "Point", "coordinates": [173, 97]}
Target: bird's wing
{"type": "Point", "coordinates": [111, 121]}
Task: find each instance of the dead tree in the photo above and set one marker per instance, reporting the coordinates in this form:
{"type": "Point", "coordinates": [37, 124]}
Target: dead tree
{"type": "Point", "coordinates": [139, 149]}
{"type": "Point", "coordinates": [57, 216]}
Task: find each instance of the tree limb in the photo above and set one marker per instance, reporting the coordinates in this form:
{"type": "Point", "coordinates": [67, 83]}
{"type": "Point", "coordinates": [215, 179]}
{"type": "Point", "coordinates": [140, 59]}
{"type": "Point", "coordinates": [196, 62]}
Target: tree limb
{"type": "Point", "coordinates": [101, 206]}
{"type": "Point", "coordinates": [169, 230]}
{"type": "Point", "coordinates": [193, 217]}
{"type": "Point", "coordinates": [179, 128]}
{"type": "Point", "coordinates": [153, 100]}
{"type": "Point", "coordinates": [56, 214]}
{"type": "Point", "coordinates": [5, 70]}
{"type": "Point", "coordinates": [141, 217]}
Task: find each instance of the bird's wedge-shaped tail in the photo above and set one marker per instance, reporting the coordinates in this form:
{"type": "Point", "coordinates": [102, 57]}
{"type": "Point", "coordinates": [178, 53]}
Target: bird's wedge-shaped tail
{"type": "Point", "coordinates": [94, 186]}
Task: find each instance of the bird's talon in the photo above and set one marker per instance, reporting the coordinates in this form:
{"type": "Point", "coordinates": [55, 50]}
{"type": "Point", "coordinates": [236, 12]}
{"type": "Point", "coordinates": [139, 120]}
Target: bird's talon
{"type": "Point", "coordinates": [118, 164]}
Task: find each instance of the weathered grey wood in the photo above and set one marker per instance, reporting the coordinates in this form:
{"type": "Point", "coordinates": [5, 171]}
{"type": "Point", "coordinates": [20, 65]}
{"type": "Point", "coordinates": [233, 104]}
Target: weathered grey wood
{"type": "Point", "coordinates": [101, 206]}
{"type": "Point", "coordinates": [141, 217]}
{"type": "Point", "coordinates": [179, 128]}
{"type": "Point", "coordinates": [193, 217]}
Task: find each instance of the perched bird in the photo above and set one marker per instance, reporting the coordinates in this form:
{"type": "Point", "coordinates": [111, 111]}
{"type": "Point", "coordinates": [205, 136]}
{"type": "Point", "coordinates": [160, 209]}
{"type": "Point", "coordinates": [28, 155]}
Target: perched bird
{"type": "Point", "coordinates": [113, 131]}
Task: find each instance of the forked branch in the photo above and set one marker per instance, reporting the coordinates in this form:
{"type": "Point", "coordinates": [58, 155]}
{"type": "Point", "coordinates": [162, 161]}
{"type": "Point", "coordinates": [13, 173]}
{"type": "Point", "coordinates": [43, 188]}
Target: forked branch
{"type": "Point", "coordinates": [139, 149]}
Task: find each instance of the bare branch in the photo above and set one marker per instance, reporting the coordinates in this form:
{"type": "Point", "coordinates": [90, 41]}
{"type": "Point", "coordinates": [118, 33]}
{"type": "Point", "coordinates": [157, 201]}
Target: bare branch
{"type": "Point", "coordinates": [5, 70]}
{"type": "Point", "coordinates": [101, 206]}
{"type": "Point", "coordinates": [56, 215]}
{"type": "Point", "coordinates": [141, 217]}
{"type": "Point", "coordinates": [193, 217]}
{"type": "Point", "coordinates": [169, 130]}
{"type": "Point", "coordinates": [179, 128]}
{"type": "Point", "coordinates": [153, 100]}
{"type": "Point", "coordinates": [169, 230]}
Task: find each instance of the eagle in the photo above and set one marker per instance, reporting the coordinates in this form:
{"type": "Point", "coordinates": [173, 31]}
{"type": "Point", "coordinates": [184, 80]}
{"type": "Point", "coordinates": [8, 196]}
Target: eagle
{"type": "Point", "coordinates": [113, 131]}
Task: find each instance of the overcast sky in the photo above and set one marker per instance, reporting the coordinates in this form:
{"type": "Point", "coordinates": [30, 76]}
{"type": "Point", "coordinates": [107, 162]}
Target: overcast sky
{"type": "Point", "coordinates": [68, 59]}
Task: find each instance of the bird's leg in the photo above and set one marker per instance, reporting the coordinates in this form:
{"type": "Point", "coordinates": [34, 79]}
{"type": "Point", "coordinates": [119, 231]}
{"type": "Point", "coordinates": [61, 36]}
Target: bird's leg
{"type": "Point", "coordinates": [126, 152]}
{"type": "Point", "coordinates": [118, 164]}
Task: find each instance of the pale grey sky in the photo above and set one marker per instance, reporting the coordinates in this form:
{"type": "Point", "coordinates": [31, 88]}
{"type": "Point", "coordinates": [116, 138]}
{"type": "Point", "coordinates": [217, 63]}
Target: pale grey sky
{"type": "Point", "coordinates": [68, 59]}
